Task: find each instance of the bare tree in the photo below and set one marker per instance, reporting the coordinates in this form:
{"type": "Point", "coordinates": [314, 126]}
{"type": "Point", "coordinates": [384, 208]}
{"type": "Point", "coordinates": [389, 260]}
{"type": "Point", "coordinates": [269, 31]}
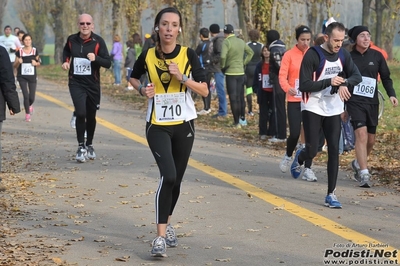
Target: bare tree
{"type": "Point", "coordinates": [57, 25]}
{"type": "Point", "coordinates": [116, 15]}
{"type": "Point", "coordinates": [3, 4]}
{"type": "Point", "coordinates": [133, 13]}
{"type": "Point", "coordinates": [366, 11]}
{"type": "Point", "coordinates": [242, 17]}
{"type": "Point", "coordinates": [33, 14]}
{"type": "Point", "coordinates": [262, 12]}
{"type": "Point", "coordinates": [379, 9]}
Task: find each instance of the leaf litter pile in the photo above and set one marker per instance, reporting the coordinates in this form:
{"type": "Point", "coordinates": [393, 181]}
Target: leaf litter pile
{"type": "Point", "coordinates": [14, 248]}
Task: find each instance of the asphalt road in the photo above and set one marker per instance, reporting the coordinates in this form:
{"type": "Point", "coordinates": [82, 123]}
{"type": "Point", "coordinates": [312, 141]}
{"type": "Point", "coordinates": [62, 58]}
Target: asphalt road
{"type": "Point", "coordinates": [236, 207]}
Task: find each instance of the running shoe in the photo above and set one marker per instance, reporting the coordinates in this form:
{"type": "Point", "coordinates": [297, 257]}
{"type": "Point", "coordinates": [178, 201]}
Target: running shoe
{"type": "Point", "coordinates": [285, 163]}
{"type": "Point", "coordinates": [159, 247]}
{"type": "Point", "coordinates": [356, 170]}
{"type": "Point", "coordinates": [31, 109]}
{"type": "Point", "coordinates": [296, 169]}
{"type": "Point", "coordinates": [276, 140]}
{"type": "Point", "coordinates": [331, 201]}
{"type": "Point", "coordinates": [204, 112]}
{"type": "Point", "coordinates": [238, 126]}
{"type": "Point", "coordinates": [171, 239]}
{"type": "Point", "coordinates": [263, 137]}
{"type": "Point", "coordinates": [81, 155]}
{"type": "Point", "coordinates": [243, 122]}
{"type": "Point", "coordinates": [309, 175]}
{"type": "Point", "coordinates": [365, 180]}
{"type": "Point", "coordinates": [73, 121]}
{"type": "Point", "coordinates": [90, 152]}
{"type": "Point", "coordinates": [250, 113]}
{"type": "Point", "coordinates": [27, 117]}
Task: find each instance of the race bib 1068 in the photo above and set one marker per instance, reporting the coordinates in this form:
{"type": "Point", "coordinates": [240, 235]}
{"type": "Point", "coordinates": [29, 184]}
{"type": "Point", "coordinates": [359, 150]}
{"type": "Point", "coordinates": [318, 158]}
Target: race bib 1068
{"type": "Point", "coordinates": [366, 88]}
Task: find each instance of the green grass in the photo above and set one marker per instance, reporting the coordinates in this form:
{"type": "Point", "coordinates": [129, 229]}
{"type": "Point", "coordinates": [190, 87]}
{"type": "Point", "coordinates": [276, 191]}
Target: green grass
{"type": "Point", "coordinates": [396, 53]}
{"type": "Point", "coordinates": [387, 122]}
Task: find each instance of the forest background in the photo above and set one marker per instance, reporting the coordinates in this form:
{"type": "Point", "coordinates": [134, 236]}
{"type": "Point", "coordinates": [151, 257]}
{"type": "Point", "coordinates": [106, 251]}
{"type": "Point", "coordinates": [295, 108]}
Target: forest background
{"type": "Point", "coordinates": [51, 21]}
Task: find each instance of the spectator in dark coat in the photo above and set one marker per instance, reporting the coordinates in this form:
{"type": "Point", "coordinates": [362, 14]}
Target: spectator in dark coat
{"type": "Point", "coordinates": [8, 95]}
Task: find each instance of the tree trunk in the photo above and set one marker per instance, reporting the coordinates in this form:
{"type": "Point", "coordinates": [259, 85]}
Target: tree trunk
{"type": "Point", "coordinates": [241, 15]}
{"type": "Point", "coordinates": [116, 17]}
{"type": "Point", "coordinates": [366, 10]}
{"type": "Point", "coordinates": [274, 14]}
{"type": "Point", "coordinates": [312, 11]}
{"type": "Point", "coordinates": [379, 19]}
{"type": "Point", "coordinates": [56, 13]}
{"type": "Point", "coordinates": [3, 4]}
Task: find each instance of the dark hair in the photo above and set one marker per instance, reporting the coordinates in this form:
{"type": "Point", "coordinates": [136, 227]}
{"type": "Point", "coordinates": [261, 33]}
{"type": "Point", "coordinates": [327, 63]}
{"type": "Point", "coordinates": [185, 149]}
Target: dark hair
{"type": "Point", "coordinates": [262, 55]}
{"type": "Point", "coordinates": [26, 35]}
{"type": "Point", "coordinates": [254, 35]}
{"type": "Point", "coordinates": [204, 32]}
{"type": "Point", "coordinates": [157, 22]}
{"type": "Point", "coordinates": [8, 26]}
{"type": "Point", "coordinates": [320, 40]}
{"type": "Point", "coordinates": [136, 39]}
{"type": "Point", "coordinates": [21, 32]}
{"type": "Point", "coordinates": [129, 43]}
{"type": "Point", "coordinates": [334, 25]}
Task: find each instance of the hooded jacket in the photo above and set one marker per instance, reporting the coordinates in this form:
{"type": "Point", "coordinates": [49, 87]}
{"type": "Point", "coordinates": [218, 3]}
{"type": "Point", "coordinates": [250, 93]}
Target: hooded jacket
{"type": "Point", "coordinates": [277, 49]}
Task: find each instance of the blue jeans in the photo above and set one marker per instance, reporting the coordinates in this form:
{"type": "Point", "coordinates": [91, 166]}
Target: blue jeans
{"type": "Point", "coordinates": [117, 71]}
{"type": "Point", "coordinates": [219, 84]}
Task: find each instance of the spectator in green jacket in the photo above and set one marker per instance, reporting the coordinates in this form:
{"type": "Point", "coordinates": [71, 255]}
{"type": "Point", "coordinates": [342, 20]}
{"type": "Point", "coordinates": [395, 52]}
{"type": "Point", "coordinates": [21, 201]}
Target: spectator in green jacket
{"type": "Point", "coordinates": [235, 55]}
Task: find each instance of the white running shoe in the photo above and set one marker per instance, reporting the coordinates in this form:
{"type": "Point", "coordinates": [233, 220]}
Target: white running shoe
{"type": "Point", "coordinates": [276, 140]}
{"type": "Point", "coordinates": [73, 121]}
{"type": "Point", "coordinates": [365, 180]}
{"type": "Point", "coordinates": [170, 238]}
{"type": "Point", "coordinates": [159, 247]}
{"type": "Point", "coordinates": [90, 152]}
{"type": "Point", "coordinates": [81, 155]}
{"type": "Point", "coordinates": [204, 112]}
{"type": "Point", "coordinates": [285, 163]}
{"type": "Point", "coordinates": [309, 175]}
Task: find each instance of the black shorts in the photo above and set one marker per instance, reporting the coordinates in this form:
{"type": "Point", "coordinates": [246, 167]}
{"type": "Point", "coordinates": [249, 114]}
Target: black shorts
{"type": "Point", "coordinates": [363, 115]}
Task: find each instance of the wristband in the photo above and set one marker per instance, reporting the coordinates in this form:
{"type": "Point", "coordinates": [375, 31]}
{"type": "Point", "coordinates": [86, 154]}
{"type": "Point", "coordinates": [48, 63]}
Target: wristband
{"type": "Point", "coordinates": [140, 89]}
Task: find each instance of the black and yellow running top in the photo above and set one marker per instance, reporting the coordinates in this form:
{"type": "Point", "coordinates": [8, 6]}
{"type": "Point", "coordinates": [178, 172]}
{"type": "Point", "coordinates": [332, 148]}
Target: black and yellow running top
{"type": "Point", "coordinates": [157, 70]}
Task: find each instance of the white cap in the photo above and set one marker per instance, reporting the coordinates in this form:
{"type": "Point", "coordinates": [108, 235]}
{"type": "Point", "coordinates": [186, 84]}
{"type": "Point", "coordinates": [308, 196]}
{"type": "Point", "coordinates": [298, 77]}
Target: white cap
{"type": "Point", "coordinates": [329, 21]}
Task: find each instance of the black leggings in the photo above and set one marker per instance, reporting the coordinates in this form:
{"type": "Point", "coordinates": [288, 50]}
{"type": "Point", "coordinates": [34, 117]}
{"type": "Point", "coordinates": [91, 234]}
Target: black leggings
{"type": "Point", "coordinates": [85, 112]}
{"type": "Point", "coordinates": [171, 147]}
{"type": "Point", "coordinates": [331, 126]}
{"type": "Point", "coordinates": [207, 99]}
{"type": "Point", "coordinates": [294, 119]}
{"type": "Point", "coordinates": [249, 71]}
{"type": "Point", "coordinates": [235, 88]}
{"type": "Point", "coordinates": [29, 95]}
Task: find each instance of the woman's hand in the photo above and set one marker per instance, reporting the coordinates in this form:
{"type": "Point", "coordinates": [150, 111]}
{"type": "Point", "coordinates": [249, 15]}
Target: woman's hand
{"type": "Point", "coordinates": [174, 70]}
{"type": "Point", "coordinates": [149, 91]}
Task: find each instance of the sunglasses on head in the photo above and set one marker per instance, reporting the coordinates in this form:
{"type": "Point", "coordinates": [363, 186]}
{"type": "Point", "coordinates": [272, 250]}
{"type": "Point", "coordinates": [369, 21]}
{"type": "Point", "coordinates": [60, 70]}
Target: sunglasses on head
{"type": "Point", "coordinates": [83, 23]}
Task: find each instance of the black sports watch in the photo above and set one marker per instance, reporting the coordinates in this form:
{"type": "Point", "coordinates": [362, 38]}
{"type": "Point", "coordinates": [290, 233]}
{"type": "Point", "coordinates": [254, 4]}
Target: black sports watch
{"type": "Point", "coordinates": [184, 78]}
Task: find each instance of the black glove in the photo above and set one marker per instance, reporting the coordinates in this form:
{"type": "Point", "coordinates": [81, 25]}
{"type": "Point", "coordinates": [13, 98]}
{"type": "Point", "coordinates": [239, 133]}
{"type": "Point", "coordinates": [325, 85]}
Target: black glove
{"type": "Point", "coordinates": [335, 89]}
